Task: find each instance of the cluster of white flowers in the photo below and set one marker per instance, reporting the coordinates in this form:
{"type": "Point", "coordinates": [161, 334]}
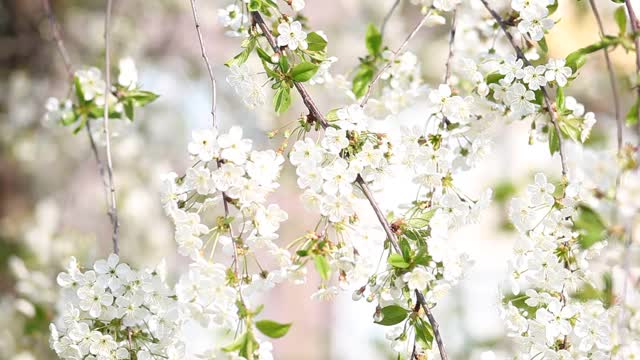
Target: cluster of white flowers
{"type": "Point", "coordinates": [327, 168]}
{"type": "Point", "coordinates": [234, 19]}
{"type": "Point", "coordinates": [115, 312]}
{"type": "Point", "coordinates": [551, 265]}
{"type": "Point", "coordinates": [88, 100]}
{"type": "Point", "coordinates": [214, 292]}
{"type": "Point", "coordinates": [246, 84]}
{"type": "Point", "coordinates": [534, 17]}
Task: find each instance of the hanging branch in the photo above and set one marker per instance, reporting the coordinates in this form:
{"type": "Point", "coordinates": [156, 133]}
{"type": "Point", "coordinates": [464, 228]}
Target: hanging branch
{"type": "Point", "coordinates": [214, 123]}
{"type": "Point", "coordinates": [55, 30]}
{"type": "Point", "coordinates": [203, 51]}
{"type": "Point", "coordinates": [388, 16]}
{"type": "Point", "coordinates": [612, 77]}
{"type": "Point", "coordinates": [635, 27]}
{"type": "Point", "coordinates": [434, 324]}
{"type": "Point", "coordinates": [545, 94]}
{"type": "Point", "coordinates": [113, 207]}
{"type": "Point", "coordinates": [318, 117]}
{"type": "Point", "coordinates": [404, 44]}
{"type": "Point", "coordinates": [452, 38]}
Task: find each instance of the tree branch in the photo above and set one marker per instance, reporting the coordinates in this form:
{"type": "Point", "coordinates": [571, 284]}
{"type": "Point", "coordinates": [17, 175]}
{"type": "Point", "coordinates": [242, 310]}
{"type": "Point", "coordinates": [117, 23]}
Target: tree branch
{"type": "Point", "coordinates": [434, 324]}
{"type": "Point", "coordinates": [612, 77]}
{"type": "Point", "coordinates": [452, 38]}
{"type": "Point", "coordinates": [545, 94]}
{"type": "Point", "coordinates": [113, 207]}
{"type": "Point", "coordinates": [319, 117]}
{"type": "Point", "coordinates": [404, 44]}
{"type": "Point", "coordinates": [387, 17]}
{"type": "Point", "coordinates": [203, 51]}
{"type": "Point", "coordinates": [55, 30]}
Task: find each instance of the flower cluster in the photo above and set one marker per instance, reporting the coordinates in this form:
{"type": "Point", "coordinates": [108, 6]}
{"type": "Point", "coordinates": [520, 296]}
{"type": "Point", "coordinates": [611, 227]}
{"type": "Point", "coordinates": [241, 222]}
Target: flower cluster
{"type": "Point", "coordinates": [551, 263]}
{"type": "Point", "coordinates": [115, 312]}
{"type": "Point", "coordinates": [88, 101]}
{"type": "Point", "coordinates": [534, 17]}
{"type": "Point", "coordinates": [327, 168]}
{"type": "Point", "coordinates": [215, 292]}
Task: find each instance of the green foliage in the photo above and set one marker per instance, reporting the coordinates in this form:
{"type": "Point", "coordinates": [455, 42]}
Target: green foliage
{"type": "Point", "coordinates": [362, 79]}
{"type": "Point", "coordinates": [373, 40]}
{"type": "Point", "coordinates": [322, 266]}
{"type": "Point", "coordinates": [397, 261]}
{"type": "Point", "coordinates": [272, 329]}
{"type": "Point", "coordinates": [632, 115]}
{"type": "Point", "coordinates": [316, 42]}
{"type": "Point", "coordinates": [282, 99]}
{"type": "Point", "coordinates": [424, 333]}
{"type": "Point", "coordinates": [303, 71]}
{"type": "Point", "coordinates": [392, 315]}
{"type": "Point", "coordinates": [620, 16]}
{"type": "Point", "coordinates": [590, 226]}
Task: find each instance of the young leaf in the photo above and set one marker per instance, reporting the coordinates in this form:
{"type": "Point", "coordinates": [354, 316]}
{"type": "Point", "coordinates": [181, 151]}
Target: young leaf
{"type": "Point", "coordinates": [322, 266]}
{"type": "Point", "coordinates": [129, 109]}
{"type": "Point", "coordinates": [424, 333]}
{"type": "Point", "coordinates": [632, 115]}
{"type": "Point", "coordinates": [396, 260]}
{"type": "Point", "coordinates": [554, 141]}
{"type": "Point", "coordinates": [590, 226]}
{"type": "Point", "coordinates": [236, 345]}
{"type": "Point", "coordinates": [373, 40]}
{"type": "Point", "coordinates": [543, 45]}
{"type": "Point", "coordinates": [576, 59]}
{"type": "Point", "coordinates": [620, 16]}
{"type": "Point", "coordinates": [392, 315]}
{"type": "Point", "coordinates": [272, 329]}
{"type": "Point", "coordinates": [361, 80]}
{"type": "Point", "coordinates": [282, 99]}
{"type": "Point", "coordinates": [303, 71]}
{"type": "Point", "coordinates": [315, 42]}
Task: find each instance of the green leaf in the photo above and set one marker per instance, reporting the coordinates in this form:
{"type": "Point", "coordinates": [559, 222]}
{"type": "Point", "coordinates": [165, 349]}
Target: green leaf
{"type": "Point", "coordinates": [632, 115]}
{"type": "Point", "coordinates": [392, 315]}
{"type": "Point", "coordinates": [543, 45]}
{"type": "Point", "coordinates": [303, 71]}
{"type": "Point", "coordinates": [424, 333]}
{"type": "Point", "coordinates": [396, 260]}
{"type": "Point", "coordinates": [554, 141]}
{"type": "Point", "coordinates": [243, 56]}
{"type": "Point", "coordinates": [494, 77]}
{"type": "Point", "coordinates": [560, 99]}
{"type": "Point", "coordinates": [315, 42]}
{"type": "Point", "coordinates": [322, 266]}
{"type": "Point", "coordinates": [421, 220]}
{"type": "Point", "coordinates": [254, 5]}
{"type": "Point", "coordinates": [361, 81]}
{"type": "Point", "coordinates": [553, 7]}
{"type": "Point", "coordinates": [620, 16]}
{"type": "Point", "coordinates": [332, 115]}
{"type": "Point", "coordinates": [282, 100]}
{"type": "Point", "coordinates": [590, 226]}
{"type": "Point", "coordinates": [272, 329]}
{"type": "Point", "coordinates": [240, 342]}
{"type": "Point", "coordinates": [373, 40]}
{"type": "Point", "coordinates": [141, 97]}
{"type": "Point", "coordinates": [78, 89]}
{"type": "Point", "coordinates": [575, 60]}
{"type": "Point", "coordinates": [284, 63]}
{"type": "Point", "coordinates": [129, 109]}
{"type": "Point", "coordinates": [263, 55]}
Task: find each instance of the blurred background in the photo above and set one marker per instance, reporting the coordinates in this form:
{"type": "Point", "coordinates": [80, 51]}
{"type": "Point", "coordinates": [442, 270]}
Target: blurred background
{"type": "Point", "coordinates": [52, 203]}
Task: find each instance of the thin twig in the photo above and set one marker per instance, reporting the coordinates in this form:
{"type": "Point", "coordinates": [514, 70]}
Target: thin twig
{"type": "Point", "coordinates": [434, 324]}
{"type": "Point", "coordinates": [545, 93]}
{"type": "Point", "coordinates": [212, 78]}
{"type": "Point", "coordinates": [320, 119]}
{"type": "Point", "coordinates": [393, 58]}
{"type": "Point", "coordinates": [612, 77]}
{"type": "Point", "coordinates": [113, 206]}
{"type": "Point", "coordinates": [452, 38]}
{"type": "Point", "coordinates": [55, 31]}
{"type": "Point", "coordinates": [635, 27]}
{"type": "Point", "coordinates": [387, 17]}
{"type": "Point", "coordinates": [376, 209]}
